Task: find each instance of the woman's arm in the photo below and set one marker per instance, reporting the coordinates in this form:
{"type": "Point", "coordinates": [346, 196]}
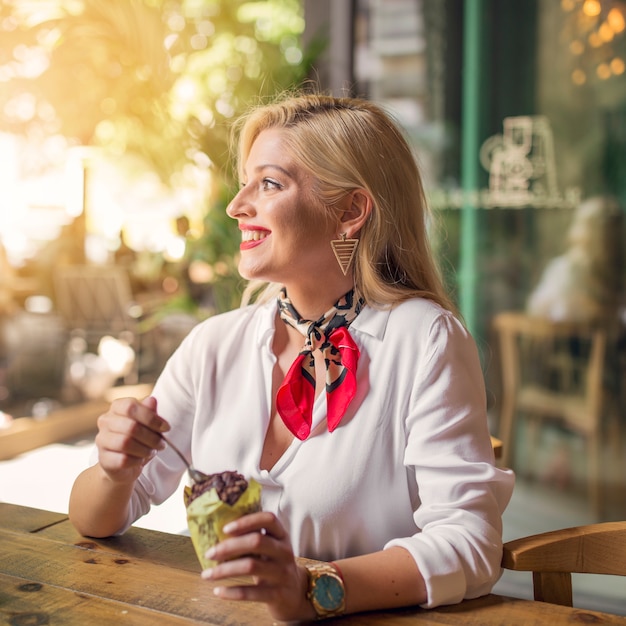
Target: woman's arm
{"type": "Point", "coordinates": [128, 436]}
{"type": "Point", "coordinates": [382, 580]}
{"type": "Point", "coordinates": [462, 494]}
{"type": "Point", "coordinates": [260, 547]}
{"type": "Point", "coordinates": [99, 506]}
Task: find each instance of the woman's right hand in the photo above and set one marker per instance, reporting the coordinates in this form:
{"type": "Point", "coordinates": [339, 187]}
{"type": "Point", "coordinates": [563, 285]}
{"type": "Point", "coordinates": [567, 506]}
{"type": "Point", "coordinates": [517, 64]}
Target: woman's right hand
{"type": "Point", "coordinates": [129, 435]}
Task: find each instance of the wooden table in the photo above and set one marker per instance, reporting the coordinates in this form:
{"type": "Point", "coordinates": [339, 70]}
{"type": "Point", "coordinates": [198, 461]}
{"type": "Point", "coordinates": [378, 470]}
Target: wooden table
{"type": "Point", "coordinates": [49, 574]}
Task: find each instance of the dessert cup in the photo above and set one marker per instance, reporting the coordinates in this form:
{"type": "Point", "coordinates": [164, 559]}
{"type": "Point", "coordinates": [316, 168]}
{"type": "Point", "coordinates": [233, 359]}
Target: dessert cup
{"type": "Point", "coordinates": [207, 514]}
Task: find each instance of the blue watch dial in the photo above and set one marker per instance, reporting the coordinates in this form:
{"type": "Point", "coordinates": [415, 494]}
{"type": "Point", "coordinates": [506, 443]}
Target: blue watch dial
{"type": "Point", "coordinates": [328, 593]}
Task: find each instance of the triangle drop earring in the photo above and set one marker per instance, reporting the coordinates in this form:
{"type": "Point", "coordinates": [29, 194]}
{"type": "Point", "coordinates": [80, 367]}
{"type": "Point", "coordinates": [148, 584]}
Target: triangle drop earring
{"type": "Point", "coordinates": [344, 250]}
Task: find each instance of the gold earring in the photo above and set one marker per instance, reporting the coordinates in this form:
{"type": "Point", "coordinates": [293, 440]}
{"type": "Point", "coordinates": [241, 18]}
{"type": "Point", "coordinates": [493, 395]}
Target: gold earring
{"type": "Point", "coordinates": [344, 250]}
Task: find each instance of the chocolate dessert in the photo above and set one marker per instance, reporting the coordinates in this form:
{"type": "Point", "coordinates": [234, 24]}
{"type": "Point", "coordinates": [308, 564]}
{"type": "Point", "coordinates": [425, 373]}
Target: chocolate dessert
{"type": "Point", "coordinates": [229, 487]}
{"type": "Point", "coordinates": [211, 504]}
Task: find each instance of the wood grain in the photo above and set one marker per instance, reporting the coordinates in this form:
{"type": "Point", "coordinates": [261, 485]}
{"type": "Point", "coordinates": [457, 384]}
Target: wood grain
{"type": "Point", "coordinates": [591, 549]}
{"type": "Point", "coordinates": [27, 519]}
{"type": "Point", "coordinates": [553, 556]}
{"type": "Point", "coordinates": [24, 603]}
{"type": "Point", "coordinates": [87, 570]}
{"type": "Point", "coordinates": [50, 572]}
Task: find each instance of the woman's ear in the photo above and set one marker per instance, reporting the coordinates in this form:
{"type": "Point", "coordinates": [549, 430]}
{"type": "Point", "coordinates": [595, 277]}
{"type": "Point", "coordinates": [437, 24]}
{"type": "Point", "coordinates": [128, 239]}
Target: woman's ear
{"type": "Point", "coordinates": [359, 206]}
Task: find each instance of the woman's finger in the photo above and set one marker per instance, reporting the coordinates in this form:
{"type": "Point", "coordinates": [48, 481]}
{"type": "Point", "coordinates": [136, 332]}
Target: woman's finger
{"type": "Point", "coordinates": [251, 593]}
{"type": "Point", "coordinates": [262, 570]}
{"type": "Point", "coordinates": [126, 444]}
{"type": "Point", "coordinates": [282, 587]}
{"type": "Point", "coordinates": [142, 412]}
{"type": "Point", "coordinates": [263, 522]}
{"type": "Point", "coordinates": [126, 435]}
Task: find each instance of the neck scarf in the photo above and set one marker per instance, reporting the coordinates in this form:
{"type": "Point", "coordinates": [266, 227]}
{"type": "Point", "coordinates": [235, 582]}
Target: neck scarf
{"type": "Point", "coordinates": [296, 395]}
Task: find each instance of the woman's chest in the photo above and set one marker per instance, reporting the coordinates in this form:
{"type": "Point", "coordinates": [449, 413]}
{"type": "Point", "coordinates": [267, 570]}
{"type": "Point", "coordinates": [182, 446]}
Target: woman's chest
{"type": "Point", "coordinates": [235, 417]}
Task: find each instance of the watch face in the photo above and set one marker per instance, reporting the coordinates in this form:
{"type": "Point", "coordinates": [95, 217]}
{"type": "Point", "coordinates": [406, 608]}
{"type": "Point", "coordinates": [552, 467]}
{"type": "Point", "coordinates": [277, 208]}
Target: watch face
{"type": "Point", "coordinates": [328, 593]}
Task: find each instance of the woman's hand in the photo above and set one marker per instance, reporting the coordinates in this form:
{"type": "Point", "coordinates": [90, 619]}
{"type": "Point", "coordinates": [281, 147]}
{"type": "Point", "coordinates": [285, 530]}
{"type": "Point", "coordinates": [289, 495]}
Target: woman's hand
{"type": "Point", "coordinates": [259, 546]}
{"type": "Point", "coordinates": [128, 437]}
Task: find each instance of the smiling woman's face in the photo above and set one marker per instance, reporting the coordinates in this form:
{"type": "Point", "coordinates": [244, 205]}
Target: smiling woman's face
{"type": "Point", "coordinates": [285, 234]}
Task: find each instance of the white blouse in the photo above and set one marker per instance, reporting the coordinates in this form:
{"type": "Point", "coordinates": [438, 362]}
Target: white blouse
{"type": "Point", "coordinates": [410, 465]}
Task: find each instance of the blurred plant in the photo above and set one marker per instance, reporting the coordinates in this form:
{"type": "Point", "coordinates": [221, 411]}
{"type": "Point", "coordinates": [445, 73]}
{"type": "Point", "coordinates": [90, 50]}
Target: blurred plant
{"type": "Point", "coordinates": [162, 79]}
{"type": "Point", "coordinates": [96, 72]}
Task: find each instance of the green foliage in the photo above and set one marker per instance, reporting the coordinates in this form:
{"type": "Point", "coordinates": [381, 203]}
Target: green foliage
{"type": "Point", "coordinates": [153, 77]}
{"type": "Point", "coordinates": [162, 79]}
{"type": "Point", "coordinates": [218, 249]}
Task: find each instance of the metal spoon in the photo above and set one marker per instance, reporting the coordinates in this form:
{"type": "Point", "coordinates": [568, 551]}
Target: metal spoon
{"type": "Point", "coordinates": [196, 475]}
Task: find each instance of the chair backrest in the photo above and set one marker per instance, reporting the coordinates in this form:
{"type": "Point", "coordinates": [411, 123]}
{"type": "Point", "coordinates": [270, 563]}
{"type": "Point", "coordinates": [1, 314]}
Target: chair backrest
{"type": "Point", "coordinates": [554, 556]}
{"type": "Point", "coordinates": [550, 369]}
{"type": "Point", "coordinates": [94, 298]}
{"type": "Point", "coordinates": [566, 357]}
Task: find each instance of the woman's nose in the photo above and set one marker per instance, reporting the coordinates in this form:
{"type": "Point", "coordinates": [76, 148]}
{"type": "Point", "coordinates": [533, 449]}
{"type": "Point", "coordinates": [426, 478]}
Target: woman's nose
{"type": "Point", "coordinates": [239, 205]}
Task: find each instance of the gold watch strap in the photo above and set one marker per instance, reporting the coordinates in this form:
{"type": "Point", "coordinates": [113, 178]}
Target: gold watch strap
{"type": "Point", "coordinates": [327, 596]}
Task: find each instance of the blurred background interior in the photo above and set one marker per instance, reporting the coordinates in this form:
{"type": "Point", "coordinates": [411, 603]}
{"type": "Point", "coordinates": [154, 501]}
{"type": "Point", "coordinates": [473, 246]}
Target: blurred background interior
{"type": "Point", "coordinates": [115, 172]}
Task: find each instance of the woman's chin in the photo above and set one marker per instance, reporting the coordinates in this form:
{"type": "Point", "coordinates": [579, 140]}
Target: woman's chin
{"type": "Point", "coordinates": [253, 273]}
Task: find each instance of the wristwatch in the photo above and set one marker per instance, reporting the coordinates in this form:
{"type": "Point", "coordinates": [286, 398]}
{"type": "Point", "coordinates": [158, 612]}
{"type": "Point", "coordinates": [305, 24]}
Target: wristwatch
{"type": "Point", "coordinates": [325, 591]}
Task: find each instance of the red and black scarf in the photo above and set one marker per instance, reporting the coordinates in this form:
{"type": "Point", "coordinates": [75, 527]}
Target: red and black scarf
{"type": "Point", "coordinates": [329, 334]}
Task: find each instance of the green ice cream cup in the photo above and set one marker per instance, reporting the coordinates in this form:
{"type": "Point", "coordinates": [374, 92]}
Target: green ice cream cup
{"type": "Point", "coordinates": [207, 515]}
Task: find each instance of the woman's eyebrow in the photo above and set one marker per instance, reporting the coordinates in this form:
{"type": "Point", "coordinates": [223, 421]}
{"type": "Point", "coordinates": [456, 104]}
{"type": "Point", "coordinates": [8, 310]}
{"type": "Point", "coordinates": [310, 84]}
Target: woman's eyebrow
{"type": "Point", "coordinates": [264, 166]}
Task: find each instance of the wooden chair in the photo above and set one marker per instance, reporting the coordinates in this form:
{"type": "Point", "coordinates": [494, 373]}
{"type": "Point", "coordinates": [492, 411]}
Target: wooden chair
{"type": "Point", "coordinates": [96, 300]}
{"type": "Point", "coordinates": [552, 557]}
{"type": "Point", "coordinates": [552, 371]}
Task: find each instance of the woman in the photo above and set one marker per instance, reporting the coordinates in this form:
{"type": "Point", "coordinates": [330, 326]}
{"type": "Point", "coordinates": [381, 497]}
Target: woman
{"type": "Point", "coordinates": [389, 473]}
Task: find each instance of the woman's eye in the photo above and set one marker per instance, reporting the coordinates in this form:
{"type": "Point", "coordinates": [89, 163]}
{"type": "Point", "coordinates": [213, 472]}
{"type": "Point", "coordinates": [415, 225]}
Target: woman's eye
{"type": "Point", "coordinates": [268, 183]}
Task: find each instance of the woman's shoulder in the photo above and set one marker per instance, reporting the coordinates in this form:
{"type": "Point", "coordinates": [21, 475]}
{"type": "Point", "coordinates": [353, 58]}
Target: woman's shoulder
{"type": "Point", "coordinates": [422, 312]}
{"type": "Point", "coordinates": [420, 326]}
{"type": "Point", "coordinates": [416, 319]}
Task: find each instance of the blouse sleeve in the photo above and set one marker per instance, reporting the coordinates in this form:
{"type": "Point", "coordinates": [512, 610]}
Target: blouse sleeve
{"type": "Point", "coordinates": [174, 393]}
{"type": "Point", "coordinates": [462, 494]}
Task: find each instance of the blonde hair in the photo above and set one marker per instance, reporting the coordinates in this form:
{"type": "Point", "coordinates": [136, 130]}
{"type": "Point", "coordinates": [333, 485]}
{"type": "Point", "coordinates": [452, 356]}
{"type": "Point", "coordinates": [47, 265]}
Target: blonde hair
{"type": "Point", "coordinates": [348, 144]}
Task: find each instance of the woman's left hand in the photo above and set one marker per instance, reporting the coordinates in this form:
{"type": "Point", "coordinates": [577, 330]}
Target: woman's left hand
{"type": "Point", "coordinates": [260, 547]}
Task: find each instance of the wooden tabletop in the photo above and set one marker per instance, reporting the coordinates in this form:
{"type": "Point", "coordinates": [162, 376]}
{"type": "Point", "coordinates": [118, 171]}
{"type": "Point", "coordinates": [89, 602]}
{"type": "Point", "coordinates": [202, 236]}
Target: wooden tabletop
{"type": "Point", "coordinates": [49, 574]}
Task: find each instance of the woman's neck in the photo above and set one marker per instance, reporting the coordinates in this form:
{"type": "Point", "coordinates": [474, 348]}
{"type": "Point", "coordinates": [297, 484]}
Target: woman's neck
{"type": "Point", "coordinates": [312, 304]}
